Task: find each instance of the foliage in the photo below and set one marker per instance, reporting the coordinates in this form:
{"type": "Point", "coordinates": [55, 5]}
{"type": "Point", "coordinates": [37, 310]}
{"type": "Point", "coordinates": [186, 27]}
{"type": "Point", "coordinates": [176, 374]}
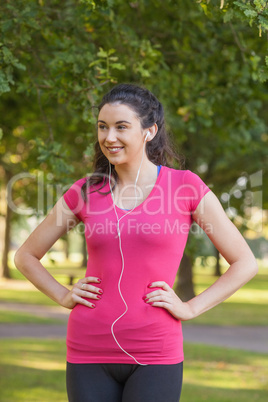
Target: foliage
{"type": "Point", "coordinates": [205, 61]}
{"type": "Point", "coordinates": [252, 12]}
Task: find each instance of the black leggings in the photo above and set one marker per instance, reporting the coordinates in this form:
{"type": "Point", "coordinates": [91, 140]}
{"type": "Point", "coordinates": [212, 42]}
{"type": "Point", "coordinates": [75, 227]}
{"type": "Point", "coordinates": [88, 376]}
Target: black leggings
{"type": "Point", "coordinates": [124, 382]}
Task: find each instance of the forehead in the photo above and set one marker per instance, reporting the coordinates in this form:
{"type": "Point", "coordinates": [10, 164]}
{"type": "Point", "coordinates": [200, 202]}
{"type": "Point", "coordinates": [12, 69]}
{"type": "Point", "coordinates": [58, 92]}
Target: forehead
{"type": "Point", "coordinates": [113, 112]}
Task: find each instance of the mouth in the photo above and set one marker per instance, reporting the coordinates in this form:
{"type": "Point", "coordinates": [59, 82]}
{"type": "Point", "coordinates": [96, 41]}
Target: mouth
{"type": "Point", "coordinates": [114, 150]}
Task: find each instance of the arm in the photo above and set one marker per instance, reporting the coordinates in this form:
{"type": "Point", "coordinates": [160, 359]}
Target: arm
{"type": "Point", "coordinates": [28, 256]}
{"type": "Point", "coordinates": [210, 216]}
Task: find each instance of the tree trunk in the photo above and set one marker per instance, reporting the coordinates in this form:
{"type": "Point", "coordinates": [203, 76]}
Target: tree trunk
{"type": "Point", "coordinates": [217, 266]}
{"type": "Point", "coordinates": [66, 246]}
{"type": "Point", "coordinates": [184, 287]}
{"type": "Point", "coordinates": [5, 271]}
{"type": "Point", "coordinates": [84, 251]}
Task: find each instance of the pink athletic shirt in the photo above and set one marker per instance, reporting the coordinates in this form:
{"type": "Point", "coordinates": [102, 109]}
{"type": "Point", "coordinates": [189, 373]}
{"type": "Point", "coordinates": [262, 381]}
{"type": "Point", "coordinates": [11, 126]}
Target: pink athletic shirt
{"type": "Point", "coordinates": [153, 238]}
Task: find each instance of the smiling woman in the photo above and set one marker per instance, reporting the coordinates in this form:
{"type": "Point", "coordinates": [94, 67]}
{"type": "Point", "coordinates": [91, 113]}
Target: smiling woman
{"type": "Point", "coordinates": [124, 338]}
{"type": "Point", "coordinates": [122, 138]}
{"type": "Point", "coordinates": [123, 143]}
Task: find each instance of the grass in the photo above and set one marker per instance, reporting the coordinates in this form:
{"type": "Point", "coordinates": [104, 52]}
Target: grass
{"type": "Point", "coordinates": [233, 314]}
{"type": "Point", "coordinates": [224, 375]}
{"type": "Point", "coordinates": [14, 317]}
{"type": "Point", "coordinates": [34, 370]}
{"type": "Point", "coordinates": [60, 270]}
{"type": "Point", "coordinates": [25, 297]}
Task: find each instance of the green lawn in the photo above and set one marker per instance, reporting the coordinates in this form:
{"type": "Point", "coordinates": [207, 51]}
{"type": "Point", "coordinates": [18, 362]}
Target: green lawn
{"type": "Point", "coordinates": [224, 375]}
{"type": "Point", "coordinates": [18, 317]}
{"type": "Point", "coordinates": [25, 297]}
{"type": "Point", "coordinates": [34, 370]}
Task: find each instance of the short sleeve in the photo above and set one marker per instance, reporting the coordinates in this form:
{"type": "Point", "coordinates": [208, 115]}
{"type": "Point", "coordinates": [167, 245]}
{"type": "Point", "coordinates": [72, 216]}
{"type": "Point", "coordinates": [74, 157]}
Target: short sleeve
{"type": "Point", "coordinates": [74, 199]}
{"type": "Point", "coordinates": [194, 190]}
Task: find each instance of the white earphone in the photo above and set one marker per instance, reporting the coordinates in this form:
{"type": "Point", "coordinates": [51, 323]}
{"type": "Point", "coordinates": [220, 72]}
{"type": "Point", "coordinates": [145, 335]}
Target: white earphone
{"type": "Point", "coordinates": [121, 250]}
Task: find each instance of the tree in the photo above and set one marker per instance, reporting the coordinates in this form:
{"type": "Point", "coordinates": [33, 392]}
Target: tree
{"type": "Point", "coordinates": [206, 68]}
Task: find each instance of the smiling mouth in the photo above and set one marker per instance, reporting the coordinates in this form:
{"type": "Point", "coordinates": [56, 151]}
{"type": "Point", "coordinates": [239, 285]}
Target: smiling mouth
{"type": "Point", "coordinates": [114, 149]}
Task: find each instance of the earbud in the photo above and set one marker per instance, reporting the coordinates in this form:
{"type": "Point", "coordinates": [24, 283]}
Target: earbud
{"type": "Point", "coordinates": [147, 135]}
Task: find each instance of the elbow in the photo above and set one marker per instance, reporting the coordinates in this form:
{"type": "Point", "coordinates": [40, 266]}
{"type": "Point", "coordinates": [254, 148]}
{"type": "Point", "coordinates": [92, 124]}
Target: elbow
{"type": "Point", "coordinates": [253, 267]}
{"type": "Point", "coordinates": [18, 260]}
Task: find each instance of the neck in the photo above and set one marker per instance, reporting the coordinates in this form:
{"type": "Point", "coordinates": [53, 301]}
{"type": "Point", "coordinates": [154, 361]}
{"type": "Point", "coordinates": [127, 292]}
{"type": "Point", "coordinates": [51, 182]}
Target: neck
{"type": "Point", "coordinates": [127, 174]}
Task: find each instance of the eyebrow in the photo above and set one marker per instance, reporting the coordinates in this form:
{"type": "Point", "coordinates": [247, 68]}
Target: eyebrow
{"type": "Point", "coordinates": [118, 122]}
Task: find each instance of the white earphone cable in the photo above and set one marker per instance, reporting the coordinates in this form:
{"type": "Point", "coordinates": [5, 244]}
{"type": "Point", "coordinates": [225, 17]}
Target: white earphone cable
{"type": "Point", "coordinates": [121, 252]}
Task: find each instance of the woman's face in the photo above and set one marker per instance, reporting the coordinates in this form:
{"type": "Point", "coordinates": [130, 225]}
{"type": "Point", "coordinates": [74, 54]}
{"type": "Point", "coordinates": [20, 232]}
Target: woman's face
{"type": "Point", "coordinates": [120, 134]}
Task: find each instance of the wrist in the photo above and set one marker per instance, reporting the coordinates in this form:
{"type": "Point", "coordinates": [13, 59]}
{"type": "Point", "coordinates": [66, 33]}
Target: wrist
{"type": "Point", "coordinates": [63, 298]}
{"type": "Point", "coordinates": [189, 311]}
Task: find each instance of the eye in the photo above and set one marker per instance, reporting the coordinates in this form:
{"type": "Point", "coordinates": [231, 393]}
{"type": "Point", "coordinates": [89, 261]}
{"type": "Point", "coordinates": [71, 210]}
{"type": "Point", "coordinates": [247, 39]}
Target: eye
{"type": "Point", "coordinates": [121, 127]}
{"type": "Point", "coordinates": [102, 127]}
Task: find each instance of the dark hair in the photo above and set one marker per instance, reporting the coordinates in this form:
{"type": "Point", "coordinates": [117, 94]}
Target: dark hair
{"type": "Point", "coordinates": [150, 111]}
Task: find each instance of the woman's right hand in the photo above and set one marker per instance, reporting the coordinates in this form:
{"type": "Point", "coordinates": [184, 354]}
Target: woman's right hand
{"type": "Point", "coordinates": [83, 288]}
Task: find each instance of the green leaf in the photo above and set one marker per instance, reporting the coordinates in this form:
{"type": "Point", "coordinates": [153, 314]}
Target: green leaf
{"type": "Point", "coordinates": [118, 66]}
{"type": "Point", "coordinates": [88, 3]}
{"type": "Point", "coordinates": [89, 152]}
{"type": "Point", "coordinates": [111, 51]}
{"type": "Point", "coordinates": [228, 16]}
{"type": "Point", "coordinates": [263, 74]}
{"type": "Point", "coordinates": [102, 70]}
{"type": "Point", "coordinates": [94, 63]}
{"type": "Point", "coordinates": [250, 13]}
{"type": "Point", "coordinates": [9, 58]}
{"type": "Point", "coordinates": [102, 53]}
{"type": "Point", "coordinates": [242, 5]}
{"type": "Point", "coordinates": [4, 83]}
{"type": "Point", "coordinates": [263, 21]}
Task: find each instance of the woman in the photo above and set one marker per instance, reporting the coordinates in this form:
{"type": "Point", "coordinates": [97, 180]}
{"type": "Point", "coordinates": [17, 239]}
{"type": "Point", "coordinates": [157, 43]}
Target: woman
{"type": "Point", "coordinates": [124, 338]}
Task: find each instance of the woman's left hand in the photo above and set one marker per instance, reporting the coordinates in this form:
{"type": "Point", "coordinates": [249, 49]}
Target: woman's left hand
{"type": "Point", "coordinates": [167, 298]}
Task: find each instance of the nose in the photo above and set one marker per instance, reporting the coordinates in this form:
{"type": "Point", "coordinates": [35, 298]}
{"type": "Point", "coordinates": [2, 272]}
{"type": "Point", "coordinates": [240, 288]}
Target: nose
{"type": "Point", "coordinates": [111, 136]}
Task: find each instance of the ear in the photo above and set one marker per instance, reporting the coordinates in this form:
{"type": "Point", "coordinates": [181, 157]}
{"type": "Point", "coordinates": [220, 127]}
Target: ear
{"type": "Point", "coordinates": [150, 133]}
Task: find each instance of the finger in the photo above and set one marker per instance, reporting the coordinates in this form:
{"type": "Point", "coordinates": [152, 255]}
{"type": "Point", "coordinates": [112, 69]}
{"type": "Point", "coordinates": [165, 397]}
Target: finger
{"type": "Point", "coordinates": [162, 291]}
{"type": "Point", "coordinates": [158, 292]}
{"type": "Point", "coordinates": [91, 288]}
{"type": "Point", "coordinates": [160, 298]}
{"type": "Point", "coordinates": [88, 295]}
{"type": "Point", "coordinates": [159, 284]}
{"type": "Point", "coordinates": [89, 279]}
{"type": "Point", "coordinates": [161, 304]}
{"type": "Point", "coordinates": [89, 291]}
{"type": "Point", "coordinates": [79, 300]}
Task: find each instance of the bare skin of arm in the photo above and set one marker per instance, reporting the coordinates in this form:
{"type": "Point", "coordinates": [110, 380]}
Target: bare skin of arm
{"type": "Point", "coordinates": [28, 256]}
{"type": "Point", "coordinates": [211, 217]}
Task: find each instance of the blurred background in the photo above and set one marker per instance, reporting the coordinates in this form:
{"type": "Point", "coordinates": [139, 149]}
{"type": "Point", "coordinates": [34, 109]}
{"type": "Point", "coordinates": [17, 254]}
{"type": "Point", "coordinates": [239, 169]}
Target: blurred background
{"type": "Point", "coordinates": [207, 62]}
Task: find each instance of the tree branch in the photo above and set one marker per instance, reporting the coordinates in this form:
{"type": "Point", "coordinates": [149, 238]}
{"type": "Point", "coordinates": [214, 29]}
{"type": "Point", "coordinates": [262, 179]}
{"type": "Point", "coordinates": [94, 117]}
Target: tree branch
{"type": "Point", "coordinates": [237, 41]}
{"type": "Point", "coordinates": [51, 136]}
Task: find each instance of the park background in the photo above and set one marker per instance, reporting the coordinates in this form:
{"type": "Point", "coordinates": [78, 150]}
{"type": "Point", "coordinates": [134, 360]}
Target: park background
{"type": "Point", "coordinates": [207, 63]}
